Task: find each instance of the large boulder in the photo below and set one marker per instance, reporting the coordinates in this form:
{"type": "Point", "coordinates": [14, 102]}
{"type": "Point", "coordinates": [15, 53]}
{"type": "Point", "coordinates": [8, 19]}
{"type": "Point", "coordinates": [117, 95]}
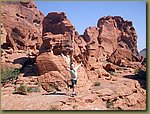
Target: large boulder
{"type": "Point", "coordinates": [110, 67]}
{"type": "Point", "coordinates": [57, 32]}
{"type": "Point", "coordinates": [54, 74]}
{"type": "Point", "coordinates": [52, 69]}
{"type": "Point", "coordinates": [47, 62]}
{"type": "Point", "coordinates": [122, 57]}
{"type": "Point", "coordinates": [111, 33]}
{"type": "Point", "coordinates": [22, 22]}
{"type": "Point", "coordinates": [119, 32]}
{"type": "Point", "coordinates": [108, 35]}
{"type": "Point", "coordinates": [53, 81]}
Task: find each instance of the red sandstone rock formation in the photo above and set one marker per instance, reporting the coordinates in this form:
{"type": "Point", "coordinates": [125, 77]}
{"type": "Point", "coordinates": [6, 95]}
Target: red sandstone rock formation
{"type": "Point", "coordinates": [118, 31]}
{"type": "Point", "coordinates": [114, 40]}
{"type": "Point", "coordinates": [23, 24]}
{"type": "Point", "coordinates": [112, 34]}
{"type": "Point", "coordinates": [58, 35]}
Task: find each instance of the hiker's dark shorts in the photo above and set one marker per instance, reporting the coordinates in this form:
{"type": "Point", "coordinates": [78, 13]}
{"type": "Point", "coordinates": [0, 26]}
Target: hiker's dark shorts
{"type": "Point", "coordinates": [74, 82]}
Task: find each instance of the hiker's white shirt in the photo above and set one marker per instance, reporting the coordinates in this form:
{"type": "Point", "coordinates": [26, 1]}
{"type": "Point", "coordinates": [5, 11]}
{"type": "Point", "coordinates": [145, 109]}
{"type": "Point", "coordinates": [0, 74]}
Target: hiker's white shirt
{"type": "Point", "coordinates": [73, 72]}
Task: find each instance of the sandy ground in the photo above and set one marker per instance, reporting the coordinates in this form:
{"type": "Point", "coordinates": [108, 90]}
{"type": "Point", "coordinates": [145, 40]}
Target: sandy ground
{"type": "Point", "coordinates": [33, 101]}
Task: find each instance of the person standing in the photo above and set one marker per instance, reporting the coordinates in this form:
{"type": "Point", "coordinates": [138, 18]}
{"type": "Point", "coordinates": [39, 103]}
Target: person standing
{"type": "Point", "coordinates": [74, 76]}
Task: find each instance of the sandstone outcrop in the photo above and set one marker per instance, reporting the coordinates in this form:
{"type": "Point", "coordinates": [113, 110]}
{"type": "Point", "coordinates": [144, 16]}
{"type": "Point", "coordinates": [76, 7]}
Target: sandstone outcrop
{"type": "Point", "coordinates": [122, 57]}
{"type": "Point", "coordinates": [111, 33]}
{"type": "Point", "coordinates": [59, 36]}
{"type": "Point", "coordinates": [22, 22]}
{"type": "Point", "coordinates": [108, 52]}
{"type": "Point", "coordinates": [114, 40]}
{"type": "Point", "coordinates": [57, 32]}
{"type": "Point", "coordinates": [119, 32]}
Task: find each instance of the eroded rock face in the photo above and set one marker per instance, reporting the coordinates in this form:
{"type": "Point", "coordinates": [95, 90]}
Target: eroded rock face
{"type": "Point", "coordinates": [48, 62]}
{"type": "Point", "coordinates": [54, 74]}
{"type": "Point", "coordinates": [122, 94]}
{"type": "Point", "coordinates": [122, 57]}
{"type": "Point", "coordinates": [57, 23]}
{"type": "Point", "coordinates": [113, 39]}
{"type": "Point", "coordinates": [23, 24]}
{"type": "Point", "coordinates": [119, 31]}
{"type": "Point", "coordinates": [110, 34]}
{"type": "Point", "coordinates": [57, 32]}
{"type": "Point", "coordinates": [91, 38]}
{"type": "Point", "coordinates": [59, 36]}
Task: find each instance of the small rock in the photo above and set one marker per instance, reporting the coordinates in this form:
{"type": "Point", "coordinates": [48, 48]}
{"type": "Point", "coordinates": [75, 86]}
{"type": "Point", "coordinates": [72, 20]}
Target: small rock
{"type": "Point", "coordinates": [114, 79]}
{"type": "Point", "coordinates": [108, 78]}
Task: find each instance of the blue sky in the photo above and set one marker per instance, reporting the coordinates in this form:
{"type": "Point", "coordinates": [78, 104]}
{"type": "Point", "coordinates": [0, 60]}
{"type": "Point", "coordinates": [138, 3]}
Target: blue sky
{"type": "Point", "coordinates": [83, 14]}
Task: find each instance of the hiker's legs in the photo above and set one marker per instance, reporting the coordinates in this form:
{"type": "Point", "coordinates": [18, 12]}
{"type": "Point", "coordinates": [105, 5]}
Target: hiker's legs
{"type": "Point", "coordinates": [73, 89]}
{"type": "Point", "coordinates": [74, 82]}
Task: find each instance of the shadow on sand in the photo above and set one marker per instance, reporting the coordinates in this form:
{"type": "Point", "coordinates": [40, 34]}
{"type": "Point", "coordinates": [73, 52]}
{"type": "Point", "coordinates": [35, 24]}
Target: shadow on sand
{"type": "Point", "coordinates": [55, 93]}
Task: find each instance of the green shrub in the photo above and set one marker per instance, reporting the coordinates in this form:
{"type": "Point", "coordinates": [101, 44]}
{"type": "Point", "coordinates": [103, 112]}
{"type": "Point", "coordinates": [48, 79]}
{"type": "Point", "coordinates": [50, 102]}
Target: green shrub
{"type": "Point", "coordinates": [113, 73]}
{"type": "Point", "coordinates": [97, 83]}
{"type": "Point", "coordinates": [141, 73]}
{"type": "Point", "coordinates": [22, 89]}
{"type": "Point", "coordinates": [54, 108]}
{"type": "Point", "coordinates": [136, 71]}
{"type": "Point", "coordinates": [51, 88]}
{"type": "Point", "coordinates": [33, 89]}
{"type": "Point", "coordinates": [8, 74]}
{"type": "Point", "coordinates": [109, 104]}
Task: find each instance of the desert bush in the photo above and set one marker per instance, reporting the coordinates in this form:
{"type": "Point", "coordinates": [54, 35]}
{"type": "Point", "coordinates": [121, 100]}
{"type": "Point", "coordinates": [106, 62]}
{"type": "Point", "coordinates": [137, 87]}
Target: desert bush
{"type": "Point", "coordinates": [109, 104]}
{"type": "Point", "coordinates": [113, 73]}
{"type": "Point", "coordinates": [54, 108]}
{"type": "Point", "coordinates": [140, 73]}
{"type": "Point", "coordinates": [51, 88]}
{"type": "Point", "coordinates": [22, 89]}
{"type": "Point", "coordinates": [97, 83]}
{"type": "Point", "coordinates": [33, 89]}
{"type": "Point", "coordinates": [8, 74]}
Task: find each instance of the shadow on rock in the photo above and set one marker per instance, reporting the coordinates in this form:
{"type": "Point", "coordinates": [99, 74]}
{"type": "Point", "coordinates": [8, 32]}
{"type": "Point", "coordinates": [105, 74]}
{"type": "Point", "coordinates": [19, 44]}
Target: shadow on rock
{"type": "Point", "coordinates": [141, 80]}
{"type": "Point", "coordinates": [29, 67]}
{"type": "Point", "coordinates": [21, 60]}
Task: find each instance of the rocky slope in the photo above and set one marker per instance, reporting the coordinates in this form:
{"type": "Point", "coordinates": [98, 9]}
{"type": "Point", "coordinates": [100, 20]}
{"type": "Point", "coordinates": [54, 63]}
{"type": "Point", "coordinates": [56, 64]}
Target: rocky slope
{"type": "Point", "coordinates": [108, 52]}
{"type": "Point", "coordinates": [122, 92]}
